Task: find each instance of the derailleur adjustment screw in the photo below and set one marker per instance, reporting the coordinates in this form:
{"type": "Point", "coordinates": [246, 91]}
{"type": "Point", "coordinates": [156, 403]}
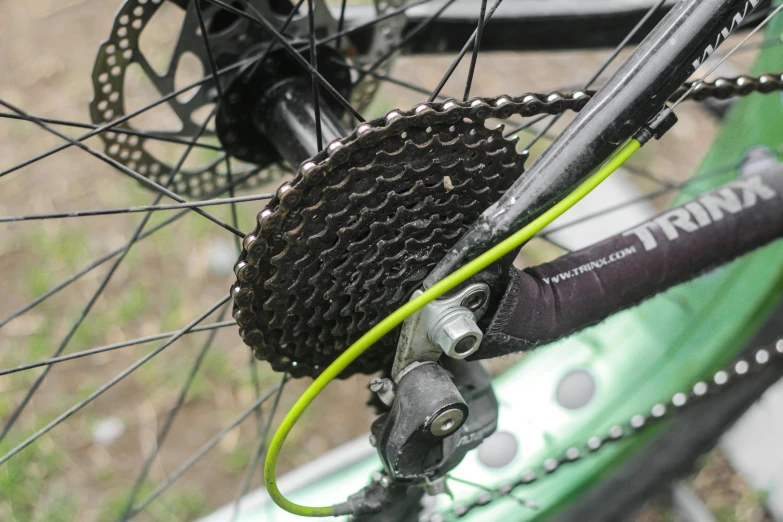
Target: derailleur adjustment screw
{"type": "Point", "coordinates": [378, 385]}
{"type": "Point", "coordinates": [384, 388]}
{"type": "Point", "coordinates": [373, 440]}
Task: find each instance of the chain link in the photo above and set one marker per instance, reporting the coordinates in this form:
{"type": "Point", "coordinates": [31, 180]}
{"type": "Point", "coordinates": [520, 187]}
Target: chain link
{"type": "Point", "coordinates": [680, 402]}
{"type": "Point", "coordinates": [500, 107]}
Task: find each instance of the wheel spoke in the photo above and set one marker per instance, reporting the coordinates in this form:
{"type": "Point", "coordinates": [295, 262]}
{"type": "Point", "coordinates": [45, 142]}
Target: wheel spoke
{"type": "Point", "coordinates": [274, 44]}
{"type": "Point", "coordinates": [183, 207]}
{"type": "Point", "coordinates": [525, 126]}
{"type": "Point", "coordinates": [109, 126]}
{"type": "Point", "coordinates": [476, 47]}
{"type": "Point", "coordinates": [770, 42]}
{"type": "Point", "coordinates": [132, 210]}
{"type": "Point", "coordinates": [164, 430]}
{"type": "Point", "coordinates": [408, 37]}
{"type": "Point", "coordinates": [234, 217]}
{"type": "Point", "coordinates": [128, 132]}
{"type": "Point", "coordinates": [98, 262]}
{"type": "Point", "coordinates": [101, 287]}
{"type": "Point", "coordinates": [650, 12]}
{"type": "Point", "coordinates": [725, 57]}
{"type": "Point", "coordinates": [646, 174]}
{"type": "Point", "coordinates": [111, 347]}
{"type": "Point", "coordinates": [461, 54]}
{"type": "Point", "coordinates": [646, 197]}
{"type": "Point", "coordinates": [97, 393]}
{"type": "Point", "coordinates": [258, 453]}
{"type": "Point", "coordinates": [211, 443]}
{"type": "Point", "coordinates": [340, 23]}
{"type": "Point", "coordinates": [314, 63]}
{"type": "Point", "coordinates": [390, 14]}
{"type": "Point", "coordinates": [210, 56]}
{"type": "Point", "coordinates": [544, 131]}
{"type": "Point", "coordinates": [617, 50]}
{"type": "Point", "coordinates": [386, 78]}
{"type": "Point", "coordinates": [127, 171]}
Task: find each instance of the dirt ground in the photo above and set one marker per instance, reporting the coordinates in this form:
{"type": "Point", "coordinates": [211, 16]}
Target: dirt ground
{"type": "Point", "coordinates": [82, 469]}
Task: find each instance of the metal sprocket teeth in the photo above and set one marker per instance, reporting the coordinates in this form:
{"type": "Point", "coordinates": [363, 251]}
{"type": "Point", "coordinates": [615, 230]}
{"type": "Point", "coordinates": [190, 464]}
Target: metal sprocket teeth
{"type": "Point", "coordinates": [351, 238]}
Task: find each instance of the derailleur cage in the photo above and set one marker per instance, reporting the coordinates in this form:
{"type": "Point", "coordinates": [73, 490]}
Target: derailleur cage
{"type": "Point", "coordinates": [439, 413]}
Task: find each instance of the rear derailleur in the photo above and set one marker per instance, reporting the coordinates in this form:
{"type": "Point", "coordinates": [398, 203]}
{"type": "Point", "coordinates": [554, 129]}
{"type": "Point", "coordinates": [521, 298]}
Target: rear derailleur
{"type": "Point", "coordinates": [439, 405]}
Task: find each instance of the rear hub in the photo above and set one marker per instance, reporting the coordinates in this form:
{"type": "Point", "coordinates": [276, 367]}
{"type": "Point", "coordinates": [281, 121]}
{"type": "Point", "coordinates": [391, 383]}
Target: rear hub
{"type": "Point", "coordinates": [269, 112]}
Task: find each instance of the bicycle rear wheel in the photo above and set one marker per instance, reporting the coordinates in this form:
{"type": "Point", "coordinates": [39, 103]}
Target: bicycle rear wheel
{"type": "Point", "coordinates": [167, 286]}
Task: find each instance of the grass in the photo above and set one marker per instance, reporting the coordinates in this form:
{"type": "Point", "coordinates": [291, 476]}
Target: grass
{"type": "Point", "coordinates": [133, 306]}
{"type": "Point", "coordinates": [216, 370]}
{"type": "Point", "coordinates": [174, 506]}
{"type": "Point", "coordinates": [235, 460]}
{"type": "Point", "coordinates": [39, 343]}
{"type": "Point", "coordinates": [37, 280]}
{"type": "Point", "coordinates": [378, 107]}
{"type": "Point", "coordinates": [171, 297]}
{"type": "Point", "coordinates": [92, 332]}
{"type": "Point", "coordinates": [31, 487]}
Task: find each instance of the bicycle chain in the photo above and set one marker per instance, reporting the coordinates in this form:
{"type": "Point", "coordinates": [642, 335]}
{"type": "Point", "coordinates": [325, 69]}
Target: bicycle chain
{"type": "Point", "coordinates": [660, 412]}
{"type": "Point", "coordinates": [301, 322]}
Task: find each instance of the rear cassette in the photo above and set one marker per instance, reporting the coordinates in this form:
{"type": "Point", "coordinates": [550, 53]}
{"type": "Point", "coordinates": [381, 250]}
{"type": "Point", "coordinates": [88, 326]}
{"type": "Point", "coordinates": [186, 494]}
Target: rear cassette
{"type": "Point", "coordinates": [347, 242]}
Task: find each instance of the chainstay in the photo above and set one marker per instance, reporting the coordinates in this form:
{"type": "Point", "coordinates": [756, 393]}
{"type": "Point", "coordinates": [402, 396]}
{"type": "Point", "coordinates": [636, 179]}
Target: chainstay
{"type": "Point", "coordinates": [723, 379]}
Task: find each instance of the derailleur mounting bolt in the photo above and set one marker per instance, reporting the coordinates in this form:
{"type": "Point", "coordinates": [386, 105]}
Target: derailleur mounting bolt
{"type": "Point", "coordinates": [456, 333]}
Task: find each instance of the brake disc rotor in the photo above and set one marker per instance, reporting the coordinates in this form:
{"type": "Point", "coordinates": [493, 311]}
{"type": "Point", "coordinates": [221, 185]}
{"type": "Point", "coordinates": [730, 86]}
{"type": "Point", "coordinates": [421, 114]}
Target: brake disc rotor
{"type": "Point", "coordinates": [229, 36]}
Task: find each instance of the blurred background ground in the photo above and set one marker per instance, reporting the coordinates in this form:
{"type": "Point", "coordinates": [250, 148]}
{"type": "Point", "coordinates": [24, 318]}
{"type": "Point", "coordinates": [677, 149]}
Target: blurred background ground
{"type": "Point", "coordinates": [83, 468]}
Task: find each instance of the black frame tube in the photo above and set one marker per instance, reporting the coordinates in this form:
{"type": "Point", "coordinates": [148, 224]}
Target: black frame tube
{"type": "Point", "coordinates": [551, 301]}
{"type": "Point", "coordinates": [521, 25]}
{"type": "Point", "coordinates": [631, 97]}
